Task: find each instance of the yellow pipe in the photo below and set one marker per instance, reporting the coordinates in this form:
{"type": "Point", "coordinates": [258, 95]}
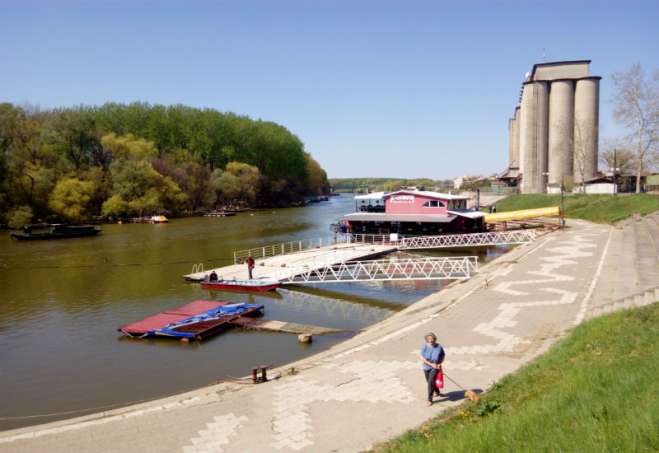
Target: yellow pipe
{"type": "Point", "coordinates": [524, 214]}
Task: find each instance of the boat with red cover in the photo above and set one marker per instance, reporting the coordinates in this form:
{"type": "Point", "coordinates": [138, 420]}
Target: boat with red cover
{"type": "Point", "coordinates": [196, 320]}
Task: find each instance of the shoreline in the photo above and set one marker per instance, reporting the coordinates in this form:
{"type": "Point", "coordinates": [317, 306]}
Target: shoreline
{"type": "Point", "coordinates": [426, 308]}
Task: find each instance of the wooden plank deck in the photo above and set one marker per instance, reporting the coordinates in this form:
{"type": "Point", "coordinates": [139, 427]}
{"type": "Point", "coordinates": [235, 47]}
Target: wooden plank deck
{"type": "Point", "coordinates": [282, 267]}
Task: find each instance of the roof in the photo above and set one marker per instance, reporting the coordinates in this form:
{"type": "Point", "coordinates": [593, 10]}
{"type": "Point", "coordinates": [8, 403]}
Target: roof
{"type": "Point", "coordinates": [382, 217]}
{"type": "Point", "coordinates": [469, 214]}
{"type": "Point", "coordinates": [556, 63]}
{"type": "Point", "coordinates": [428, 194]}
{"type": "Point", "coordinates": [370, 196]}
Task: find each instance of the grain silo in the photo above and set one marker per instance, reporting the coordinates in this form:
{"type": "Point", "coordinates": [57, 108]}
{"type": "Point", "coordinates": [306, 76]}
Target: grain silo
{"type": "Point", "coordinates": [533, 135]}
{"type": "Point", "coordinates": [561, 129]}
{"type": "Point", "coordinates": [586, 128]}
{"type": "Point", "coordinates": [554, 132]}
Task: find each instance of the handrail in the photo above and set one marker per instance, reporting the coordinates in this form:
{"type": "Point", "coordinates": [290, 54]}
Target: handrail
{"type": "Point", "coordinates": [441, 268]}
{"type": "Point", "coordinates": [282, 248]}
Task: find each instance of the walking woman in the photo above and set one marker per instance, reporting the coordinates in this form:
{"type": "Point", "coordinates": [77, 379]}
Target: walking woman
{"type": "Point", "coordinates": [432, 356]}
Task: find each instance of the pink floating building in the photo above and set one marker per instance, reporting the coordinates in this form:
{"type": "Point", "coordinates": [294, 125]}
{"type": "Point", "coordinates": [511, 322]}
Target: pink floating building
{"type": "Point", "coordinates": [413, 213]}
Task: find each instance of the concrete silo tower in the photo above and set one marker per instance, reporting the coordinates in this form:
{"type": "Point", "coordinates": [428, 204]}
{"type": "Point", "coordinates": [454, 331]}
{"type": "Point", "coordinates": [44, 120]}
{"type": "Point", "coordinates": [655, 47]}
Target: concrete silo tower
{"type": "Point", "coordinates": [557, 127]}
{"type": "Point", "coordinates": [561, 129]}
{"type": "Point", "coordinates": [533, 136]}
{"type": "Point", "coordinates": [586, 128]}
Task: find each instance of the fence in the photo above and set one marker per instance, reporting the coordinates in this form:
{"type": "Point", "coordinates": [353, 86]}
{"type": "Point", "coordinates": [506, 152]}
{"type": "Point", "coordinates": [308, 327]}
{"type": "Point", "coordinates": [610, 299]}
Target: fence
{"type": "Point", "coordinates": [282, 248]}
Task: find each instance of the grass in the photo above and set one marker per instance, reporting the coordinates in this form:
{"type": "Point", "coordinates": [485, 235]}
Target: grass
{"type": "Point", "coordinates": [595, 208]}
{"type": "Point", "coordinates": [597, 390]}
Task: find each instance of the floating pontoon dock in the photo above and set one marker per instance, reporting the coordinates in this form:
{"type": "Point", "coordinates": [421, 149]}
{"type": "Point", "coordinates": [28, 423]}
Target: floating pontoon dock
{"type": "Point", "coordinates": [201, 319]}
{"type": "Point", "coordinates": [346, 259]}
{"type": "Point", "coordinates": [283, 267]}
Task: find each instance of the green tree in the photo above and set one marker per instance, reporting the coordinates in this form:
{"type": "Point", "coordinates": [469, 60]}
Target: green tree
{"type": "Point", "coordinates": [115, 206]}
{"type": "Point", "coordinates": [71, 197]}
{"type": "Point", "coordinates": [20, 216]}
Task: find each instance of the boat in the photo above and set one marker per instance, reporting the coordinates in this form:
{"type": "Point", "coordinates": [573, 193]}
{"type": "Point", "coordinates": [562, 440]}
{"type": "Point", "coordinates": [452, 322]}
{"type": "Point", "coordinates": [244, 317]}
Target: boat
{"type": "Point", "coordinates": [150, 219]}
{"type": "Point", "coordinates": [254, 285]}
{"type": "Point", "coordinates": [220, 214]}
{"type": "Point", "coordinates": [194, 321]}
{"type": "Point", "coordinates": [56, 231]}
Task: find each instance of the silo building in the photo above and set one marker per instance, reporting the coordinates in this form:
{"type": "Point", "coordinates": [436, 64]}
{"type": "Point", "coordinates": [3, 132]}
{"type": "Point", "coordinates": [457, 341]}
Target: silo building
{"type": "Point", "coordinates": [553, 132]}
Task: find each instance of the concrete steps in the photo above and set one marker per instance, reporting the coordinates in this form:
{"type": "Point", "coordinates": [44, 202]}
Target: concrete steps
{"type": "Point", "coordinates": [646, 297]}
{"type": "Point", "coordinates": [647, 252]}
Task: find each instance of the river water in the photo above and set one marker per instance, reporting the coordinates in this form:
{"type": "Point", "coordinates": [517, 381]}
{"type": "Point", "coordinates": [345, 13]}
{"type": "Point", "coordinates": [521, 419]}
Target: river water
{"type": "Point", "coordinates": [62, 301]}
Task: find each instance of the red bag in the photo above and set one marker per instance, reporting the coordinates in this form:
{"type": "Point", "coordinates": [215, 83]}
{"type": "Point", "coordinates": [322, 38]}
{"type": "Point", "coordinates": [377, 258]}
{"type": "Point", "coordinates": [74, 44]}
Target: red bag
{"type": "Point", "coordinates": [439, 380]}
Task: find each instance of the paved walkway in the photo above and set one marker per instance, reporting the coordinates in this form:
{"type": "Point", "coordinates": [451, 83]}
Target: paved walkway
{"type": "Point", "coordinates": [370, 387]}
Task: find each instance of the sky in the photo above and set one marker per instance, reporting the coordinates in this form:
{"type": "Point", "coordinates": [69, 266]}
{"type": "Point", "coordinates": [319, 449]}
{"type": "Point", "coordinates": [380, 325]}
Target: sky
{"type": "Point", "coordinates": [374, 88]}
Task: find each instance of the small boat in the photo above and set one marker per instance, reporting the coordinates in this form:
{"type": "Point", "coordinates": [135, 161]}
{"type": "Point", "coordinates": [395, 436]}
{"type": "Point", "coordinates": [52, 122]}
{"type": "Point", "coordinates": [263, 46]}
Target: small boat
{"type": "Point", "coordinates": [57, 231]}
{"type": "Point", "coordinates": [254, 285]}
{"type": "Point", "coordinates": [150, 219]}
{"type": "Point", "coordinates": [196, 320]}
{"type": "Point", "coordinates": [220, 214]}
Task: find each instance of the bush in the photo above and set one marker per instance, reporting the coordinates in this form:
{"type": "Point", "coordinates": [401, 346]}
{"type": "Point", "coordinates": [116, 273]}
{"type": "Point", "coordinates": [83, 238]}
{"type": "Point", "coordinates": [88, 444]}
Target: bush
{"type": "Point", "coordinates": [19, 217]}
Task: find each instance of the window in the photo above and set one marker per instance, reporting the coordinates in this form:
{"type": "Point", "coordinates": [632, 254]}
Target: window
{"type": "Point", "coordinates": [433, 204]}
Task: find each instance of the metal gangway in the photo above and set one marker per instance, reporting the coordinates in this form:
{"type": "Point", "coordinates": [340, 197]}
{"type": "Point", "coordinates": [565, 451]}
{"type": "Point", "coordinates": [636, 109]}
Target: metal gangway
{"type": "Point", "coordinates": [442, 268]}
{"type": "Point", "coordinates": [467, 240]}
{"type": "Point", "coordinates": [510, 237]}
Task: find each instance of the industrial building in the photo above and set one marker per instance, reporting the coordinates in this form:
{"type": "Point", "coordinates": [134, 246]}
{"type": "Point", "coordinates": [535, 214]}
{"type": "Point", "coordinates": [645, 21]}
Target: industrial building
{"type": "Point", "coordinates": [553, 133]}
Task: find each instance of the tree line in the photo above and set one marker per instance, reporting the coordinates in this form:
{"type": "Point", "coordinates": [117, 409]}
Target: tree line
{"type": "Point", "coordinates": [119, 160]}
{"type": "Point", "coordinates": [386, 184]}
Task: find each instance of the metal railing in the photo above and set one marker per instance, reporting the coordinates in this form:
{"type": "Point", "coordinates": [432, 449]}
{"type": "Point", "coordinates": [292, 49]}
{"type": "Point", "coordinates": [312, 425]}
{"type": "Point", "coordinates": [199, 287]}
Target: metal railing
{"type": "Point", "coordinates": [443, 268]}
{"type": "Point", "coordinates": [467, 240]}
{"type": "Point", "coordinates": [402, 242]}
{"type": "Point", "coordinates": [355, 238]}
{"type": "Point", "coordinates": [282, 248]}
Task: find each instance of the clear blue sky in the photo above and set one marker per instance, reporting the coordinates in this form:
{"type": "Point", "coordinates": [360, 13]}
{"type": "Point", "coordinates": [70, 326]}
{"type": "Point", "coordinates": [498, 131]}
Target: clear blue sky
{"type": "Point", "coordinates": [373, 88]}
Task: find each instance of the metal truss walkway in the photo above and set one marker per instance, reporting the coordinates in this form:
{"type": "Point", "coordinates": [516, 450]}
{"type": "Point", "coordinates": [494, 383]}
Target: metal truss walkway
{"type": "Point", "coordinates": [467, 240]}
{"type": "Point", "coordinates": [443, 268]}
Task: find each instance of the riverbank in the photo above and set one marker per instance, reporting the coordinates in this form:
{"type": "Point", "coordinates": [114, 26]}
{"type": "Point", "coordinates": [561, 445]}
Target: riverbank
{"type": "Point", "coordinates": [593, 208]}
{"type": "Point", "coordinates": [596, 390]}
{"type": "Point", "coordinates": [73, 295]}
{"type": "Point", "coordinates": [491, 325]}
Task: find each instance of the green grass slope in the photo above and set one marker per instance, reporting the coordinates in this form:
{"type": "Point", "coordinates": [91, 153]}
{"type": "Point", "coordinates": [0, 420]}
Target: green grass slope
{"type": "Point", "coordinates": [597, 390]}
{"type": "Point", "coordinates": [594, 208]}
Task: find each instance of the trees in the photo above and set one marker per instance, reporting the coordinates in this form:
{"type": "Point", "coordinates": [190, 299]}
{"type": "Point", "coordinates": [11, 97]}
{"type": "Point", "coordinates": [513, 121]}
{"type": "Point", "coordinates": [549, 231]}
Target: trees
{"type": "Point", "coordinates": [617, 155]}
{"type": "Point", "coordinates": [238, 183]}
{"type": "Point", "coordinates": [70, 198]}
{"type": "Point", "coordinates": [636, 102]}
{"type": "Point", "coordinates": [144, 158]}
{"type": "Point", "coordinates": [19, 216]}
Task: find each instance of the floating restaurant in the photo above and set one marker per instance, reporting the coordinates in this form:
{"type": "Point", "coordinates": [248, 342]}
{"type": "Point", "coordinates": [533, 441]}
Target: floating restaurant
{"type": "Point", "coordinates": [412, 213]}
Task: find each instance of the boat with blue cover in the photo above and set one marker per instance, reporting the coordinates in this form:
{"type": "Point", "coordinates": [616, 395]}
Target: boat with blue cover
{"type": "Point", "coordinates": [194, 321]}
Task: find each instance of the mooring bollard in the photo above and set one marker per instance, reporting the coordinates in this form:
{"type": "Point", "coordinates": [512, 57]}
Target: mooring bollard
{"type": "Point", "coordinates": [259, 375]}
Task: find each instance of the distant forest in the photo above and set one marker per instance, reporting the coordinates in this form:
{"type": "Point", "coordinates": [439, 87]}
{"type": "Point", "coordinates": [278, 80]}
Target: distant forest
{"type": "Point", "coordinates": [386, 184]}
{"type": "Point", "coordinates": [119, 160]}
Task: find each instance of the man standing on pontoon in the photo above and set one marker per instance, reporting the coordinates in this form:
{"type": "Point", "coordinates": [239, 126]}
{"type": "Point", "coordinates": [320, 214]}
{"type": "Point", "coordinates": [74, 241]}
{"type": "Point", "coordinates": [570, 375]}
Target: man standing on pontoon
{"type": "Point", "coordinates": [250, 266]}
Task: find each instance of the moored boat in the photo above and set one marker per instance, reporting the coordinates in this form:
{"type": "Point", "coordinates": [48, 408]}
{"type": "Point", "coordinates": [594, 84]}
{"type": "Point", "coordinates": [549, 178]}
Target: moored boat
{"type": "Point", "coordinates": [220, 214]}
{"type": "Point", "coordinates": [56, 232]}
{"type": "Point", "coordinates": [197, 320]}
{"type": "Point", "coordinates": [254, 285]}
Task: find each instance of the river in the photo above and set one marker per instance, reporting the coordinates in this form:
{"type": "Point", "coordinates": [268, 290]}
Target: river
{"type": "Point", "coordinates": [62, 301]}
